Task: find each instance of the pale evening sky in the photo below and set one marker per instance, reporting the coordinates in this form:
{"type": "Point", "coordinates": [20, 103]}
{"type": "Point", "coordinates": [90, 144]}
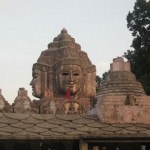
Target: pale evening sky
{"type": "Point", "coordinates": [27, 26]}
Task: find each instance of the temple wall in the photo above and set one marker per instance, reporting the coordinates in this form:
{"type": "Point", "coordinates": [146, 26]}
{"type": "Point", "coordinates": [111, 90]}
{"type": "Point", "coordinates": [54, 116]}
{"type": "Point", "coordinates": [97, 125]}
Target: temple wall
{"type": "Point", "coordinates": [127, 66]}
{"type": "Point", "coordinates": [90, 88]}
{"type": "Point", "coordinates": [115, 109]}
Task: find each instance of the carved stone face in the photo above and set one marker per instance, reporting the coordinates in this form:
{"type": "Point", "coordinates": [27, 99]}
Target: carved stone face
{"type": "Point", "coordinates": [68, 76]}
{"type": "Point", "coordinates": [36, 83]}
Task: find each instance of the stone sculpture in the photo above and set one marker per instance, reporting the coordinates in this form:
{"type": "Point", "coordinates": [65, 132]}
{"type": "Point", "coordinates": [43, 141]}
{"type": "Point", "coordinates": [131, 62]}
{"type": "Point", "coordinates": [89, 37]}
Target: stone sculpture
{"type": "Point", "coordinates": [22, 103]}
{"type": "Point", "coordinates": [63, 67]}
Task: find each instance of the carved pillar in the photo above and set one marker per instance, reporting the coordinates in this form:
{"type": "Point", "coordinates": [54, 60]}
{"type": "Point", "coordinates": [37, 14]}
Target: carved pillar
{"type": "Point", "coordinates": [83, 145]}
{"type": "Point", "coordinates": [96, 147]}
{"type": "Point", "coordinates": [143, 147]}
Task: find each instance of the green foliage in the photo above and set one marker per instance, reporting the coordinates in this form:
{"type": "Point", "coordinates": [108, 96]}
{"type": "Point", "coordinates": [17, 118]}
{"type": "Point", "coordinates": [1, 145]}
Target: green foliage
{"type": "Point", "coordinates": [98, 81]}
{"type": "Point", "coordinates": [138, 22]}
{"type": "Point", "coordinates": [104, 77]}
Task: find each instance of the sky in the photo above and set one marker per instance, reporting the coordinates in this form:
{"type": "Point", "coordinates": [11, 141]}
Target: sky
{"type": "Point", "coordinates": [27, 26]}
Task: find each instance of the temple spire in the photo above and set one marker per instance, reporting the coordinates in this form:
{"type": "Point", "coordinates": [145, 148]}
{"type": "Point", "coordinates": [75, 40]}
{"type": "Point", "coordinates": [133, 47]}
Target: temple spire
{"type": "Point", "coordinates": [63, 31]}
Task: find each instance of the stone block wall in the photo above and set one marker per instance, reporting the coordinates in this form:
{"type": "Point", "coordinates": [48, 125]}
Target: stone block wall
{"type": "Point", "coordinates": [120, 109]}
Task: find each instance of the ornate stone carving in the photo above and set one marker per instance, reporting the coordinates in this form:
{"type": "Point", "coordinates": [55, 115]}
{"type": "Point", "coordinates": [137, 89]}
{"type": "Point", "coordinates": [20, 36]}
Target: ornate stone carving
{"type": "Point", "coordinates": [47, 72]}
{"type": "Point", "coordinates": [22, 103]}
{"type": "Point", "coordinates": [73, 108]}
{"type": "Point", "coordinates": [52, 107]}
{"type": "Point", "coordinates": [63, 65]}
{"type": "Point", "coordinates": [4, 105]}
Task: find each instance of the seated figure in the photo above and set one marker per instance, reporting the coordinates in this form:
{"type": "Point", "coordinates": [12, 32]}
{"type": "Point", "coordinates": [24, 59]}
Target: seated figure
{"type": "Point", "coordinates": [64, 73]}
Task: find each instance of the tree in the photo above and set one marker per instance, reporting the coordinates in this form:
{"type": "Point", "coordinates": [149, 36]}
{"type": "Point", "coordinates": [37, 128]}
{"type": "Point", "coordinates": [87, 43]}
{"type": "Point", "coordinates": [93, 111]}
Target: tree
{"type": "Point", "coordinates": [98, 81]}
{"type": "Point", "coordinates": [104, 75]}
{"type": "Point", "coordinates": [138, 22]}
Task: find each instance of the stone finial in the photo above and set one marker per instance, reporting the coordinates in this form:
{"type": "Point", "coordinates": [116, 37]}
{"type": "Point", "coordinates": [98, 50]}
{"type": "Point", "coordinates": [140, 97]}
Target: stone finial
{"type": "Point", "coordinates": [63, 31]}
{"type": "Point", "coordinates": [22, 92]}
{"type": "Point", "coordinates": [22, 102]}
{"type": "Point", "coordinates": [119, 65]}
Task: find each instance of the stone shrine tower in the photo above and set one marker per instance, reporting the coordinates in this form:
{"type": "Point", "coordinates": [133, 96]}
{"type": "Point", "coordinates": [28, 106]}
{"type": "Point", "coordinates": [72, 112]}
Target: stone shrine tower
{"type": "Point", "coordinates": [121, 99]}
{"type": "Point", "coordinates": [4, 105]}
{"type": "Point", "coordinates": [22, 103]}
{"type": "Point", "coordinates": [120, 80]}
{"type": "Point", "coordinates": [63, 77]}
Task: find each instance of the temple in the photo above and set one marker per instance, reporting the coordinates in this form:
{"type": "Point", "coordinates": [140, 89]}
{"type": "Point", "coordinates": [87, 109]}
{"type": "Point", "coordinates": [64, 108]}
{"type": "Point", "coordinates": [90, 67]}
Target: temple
{"type": "Point", "coordinates": [69, 114]}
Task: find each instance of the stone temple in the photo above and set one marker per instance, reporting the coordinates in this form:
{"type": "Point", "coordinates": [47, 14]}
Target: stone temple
{"type": "Point", "coordinates": [69, 114]}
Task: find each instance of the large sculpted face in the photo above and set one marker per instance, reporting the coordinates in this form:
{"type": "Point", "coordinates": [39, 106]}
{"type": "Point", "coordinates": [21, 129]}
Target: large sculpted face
{"type": "Point", "coordinates": [66, 67]}
{"type": "Point", "coordinates": [36, 83]}
{"type": "Point", "coordinates": [69, 76]}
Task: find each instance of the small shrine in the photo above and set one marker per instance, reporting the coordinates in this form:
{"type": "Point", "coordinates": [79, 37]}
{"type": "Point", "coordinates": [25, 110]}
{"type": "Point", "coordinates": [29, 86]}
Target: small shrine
{"type": "Point", "coordinates": [121, 99]}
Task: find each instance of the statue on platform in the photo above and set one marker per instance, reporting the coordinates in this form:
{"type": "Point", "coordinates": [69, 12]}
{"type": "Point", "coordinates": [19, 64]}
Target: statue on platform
{"type": "Point", "coordinates": [64, 71]}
